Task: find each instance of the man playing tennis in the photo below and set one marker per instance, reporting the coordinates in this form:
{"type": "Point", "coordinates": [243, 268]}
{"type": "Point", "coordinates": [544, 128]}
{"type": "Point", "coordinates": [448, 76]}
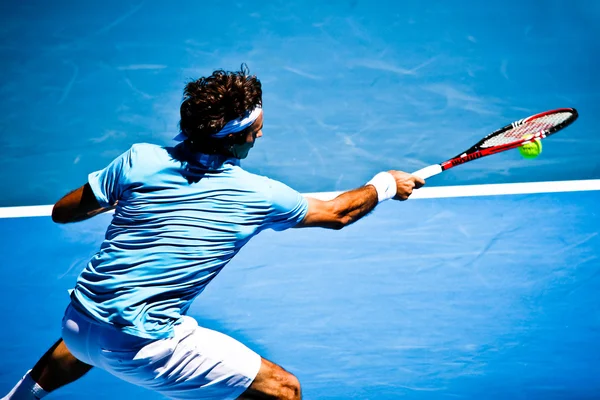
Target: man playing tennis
{"type": "Point", "coordinates": [181, 214]}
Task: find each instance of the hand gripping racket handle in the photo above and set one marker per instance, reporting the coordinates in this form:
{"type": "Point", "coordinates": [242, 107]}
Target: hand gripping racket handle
{"type": "Point", "coordinates": [428, 172]}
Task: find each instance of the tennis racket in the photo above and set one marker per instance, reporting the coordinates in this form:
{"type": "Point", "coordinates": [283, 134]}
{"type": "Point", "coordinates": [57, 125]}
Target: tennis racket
{"type": "Point", "coordinates": [536, 127]}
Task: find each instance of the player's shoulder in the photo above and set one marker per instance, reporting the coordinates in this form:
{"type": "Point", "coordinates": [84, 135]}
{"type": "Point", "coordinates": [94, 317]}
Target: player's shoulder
{"type": "Point", "coordinates": [149, 153]}
{"type": "Point", "coordinates": [262, 183]}
{"type": "Point", "coordinates": [247, 176]}
{"type": "Point", "coordinates": [145, 159]}
{"type": "Point", "coordinates": [143, 148]}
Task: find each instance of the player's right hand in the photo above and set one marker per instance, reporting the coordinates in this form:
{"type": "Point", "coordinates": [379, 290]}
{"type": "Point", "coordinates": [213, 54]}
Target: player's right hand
{"type": "Point", "coordinates": [405, 183]}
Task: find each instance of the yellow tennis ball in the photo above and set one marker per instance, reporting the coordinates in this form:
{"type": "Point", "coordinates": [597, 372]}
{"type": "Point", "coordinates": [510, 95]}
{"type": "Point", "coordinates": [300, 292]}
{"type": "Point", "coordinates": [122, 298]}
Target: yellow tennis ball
{"type": "Point", "coordinates": [531, 150]}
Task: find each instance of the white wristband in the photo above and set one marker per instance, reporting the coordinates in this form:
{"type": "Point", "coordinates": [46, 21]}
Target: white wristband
{"type": "Point", "coordinates": [385, 184]}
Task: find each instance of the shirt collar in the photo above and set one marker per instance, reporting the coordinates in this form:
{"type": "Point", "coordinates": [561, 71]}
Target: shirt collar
{"type": "Point", "coordinates": [215, 161]}
{"type": "Point", "coordinates": [212, 161]}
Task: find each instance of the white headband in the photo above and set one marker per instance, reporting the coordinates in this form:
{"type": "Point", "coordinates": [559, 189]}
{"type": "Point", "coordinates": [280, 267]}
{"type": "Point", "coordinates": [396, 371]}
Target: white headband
{"type": "Point", "coordinates": [233, 126]}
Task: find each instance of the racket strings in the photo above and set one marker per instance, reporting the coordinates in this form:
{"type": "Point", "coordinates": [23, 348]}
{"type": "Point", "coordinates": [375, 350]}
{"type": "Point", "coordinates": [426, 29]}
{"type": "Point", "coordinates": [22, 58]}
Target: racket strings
{"type": "Point", "coordinates": [526, 128]}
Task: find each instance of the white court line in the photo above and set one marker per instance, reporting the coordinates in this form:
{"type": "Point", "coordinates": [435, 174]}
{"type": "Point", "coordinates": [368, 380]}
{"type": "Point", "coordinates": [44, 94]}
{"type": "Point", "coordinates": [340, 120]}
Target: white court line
{"type": "Point", "coordinates": [25, 211]}
{"type": "Point", "coordinates": [491, 189]}
{"type": "Point", "coordinates": [424, 193]}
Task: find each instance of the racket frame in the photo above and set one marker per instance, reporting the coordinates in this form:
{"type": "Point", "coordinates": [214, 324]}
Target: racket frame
{"type": "Point", "coordinates": [476, 151]}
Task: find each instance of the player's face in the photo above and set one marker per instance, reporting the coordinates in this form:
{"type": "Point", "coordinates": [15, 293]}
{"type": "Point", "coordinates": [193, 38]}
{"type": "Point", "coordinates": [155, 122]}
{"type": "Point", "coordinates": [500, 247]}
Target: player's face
{"type": "Point", "coordinates": [255, 130]}
{"type": "Point", "coordinates": [241, 150]}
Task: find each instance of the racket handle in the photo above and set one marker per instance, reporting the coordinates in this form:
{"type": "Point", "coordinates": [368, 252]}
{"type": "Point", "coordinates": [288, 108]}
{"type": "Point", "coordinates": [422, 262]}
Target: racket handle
{"type": "Point", "coordinates": [428, 172]}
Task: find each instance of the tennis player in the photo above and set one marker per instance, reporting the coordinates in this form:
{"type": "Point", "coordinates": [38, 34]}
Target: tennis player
{"type": "Point", "coordinates": [181, 214]}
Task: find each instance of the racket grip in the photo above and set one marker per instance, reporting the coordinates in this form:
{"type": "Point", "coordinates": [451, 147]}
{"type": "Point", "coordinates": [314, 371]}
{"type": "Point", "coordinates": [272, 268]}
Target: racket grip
{"type": "Point", "coordinates": [428, 172]}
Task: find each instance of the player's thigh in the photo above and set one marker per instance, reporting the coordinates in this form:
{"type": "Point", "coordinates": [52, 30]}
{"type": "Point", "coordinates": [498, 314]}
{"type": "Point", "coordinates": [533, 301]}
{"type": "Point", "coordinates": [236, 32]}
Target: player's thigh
{"type": "Point", "coordinates": [273, 382]}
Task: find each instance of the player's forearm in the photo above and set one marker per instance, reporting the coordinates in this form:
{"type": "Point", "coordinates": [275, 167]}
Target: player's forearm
{"type": "Point", "coordinates": [357, 203]}
{"type": "Point", "coordinates": [78, 205]}
{"type": "Point", "coordinates": [69, 217]}
{"type": "Point", "coordinates": [63, 214]}
{"type": "Point", "coordinates": [352, 205]}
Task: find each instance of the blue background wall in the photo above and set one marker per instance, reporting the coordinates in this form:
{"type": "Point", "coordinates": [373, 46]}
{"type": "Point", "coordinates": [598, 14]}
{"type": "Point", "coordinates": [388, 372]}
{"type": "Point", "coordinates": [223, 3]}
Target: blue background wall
{"type": "Point", "coordinates": [351, 87]}
{"type": "Point", "coordinates": [476, 298]}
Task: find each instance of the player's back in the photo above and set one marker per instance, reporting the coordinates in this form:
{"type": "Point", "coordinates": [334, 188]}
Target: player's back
{"type": "Point", "coordinates": [179, 220]}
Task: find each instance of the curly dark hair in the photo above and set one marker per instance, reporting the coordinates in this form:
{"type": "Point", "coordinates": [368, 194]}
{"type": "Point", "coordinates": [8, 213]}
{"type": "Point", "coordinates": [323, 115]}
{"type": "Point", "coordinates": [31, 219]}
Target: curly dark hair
{"type": "Point", "coordinates": [210, 102]}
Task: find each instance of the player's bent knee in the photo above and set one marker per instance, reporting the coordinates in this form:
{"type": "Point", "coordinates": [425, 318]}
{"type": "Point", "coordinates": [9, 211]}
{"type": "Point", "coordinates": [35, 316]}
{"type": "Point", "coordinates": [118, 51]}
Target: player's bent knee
{"type": "Point", "coordinates": [286, 386]}
{"type": "Point", "coordinates": [294, 387]}
{"type": "Point", "coordinates": [274, 382]}
{"type": "Point", "coordinates": [289, 386]}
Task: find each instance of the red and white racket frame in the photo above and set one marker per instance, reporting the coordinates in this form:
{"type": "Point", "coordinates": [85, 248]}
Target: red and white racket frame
{"type": "Point", "coordinates": [476, 151]}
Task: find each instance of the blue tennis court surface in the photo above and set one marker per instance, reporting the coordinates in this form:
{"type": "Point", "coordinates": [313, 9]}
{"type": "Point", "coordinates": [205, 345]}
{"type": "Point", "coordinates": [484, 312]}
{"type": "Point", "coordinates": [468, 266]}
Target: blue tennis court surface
{"type": "Point", "coordinates": [490, 297]}
{"type": "Point", "coordinates": [493, 297]}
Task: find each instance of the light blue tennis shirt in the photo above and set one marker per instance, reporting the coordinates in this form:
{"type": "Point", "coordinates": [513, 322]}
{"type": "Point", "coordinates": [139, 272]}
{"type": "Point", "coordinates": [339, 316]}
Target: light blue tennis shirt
{"type": "Point", "coordinates": [180, 218]}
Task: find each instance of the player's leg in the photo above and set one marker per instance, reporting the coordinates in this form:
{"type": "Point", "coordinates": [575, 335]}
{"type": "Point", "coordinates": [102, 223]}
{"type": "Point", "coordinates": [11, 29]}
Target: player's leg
{"type": "Point", "coordinates": [194, 363]}
{"type": "Point", "coordinates": [273, 382]}
{"type": "Point", "coordinates": [56, 368]}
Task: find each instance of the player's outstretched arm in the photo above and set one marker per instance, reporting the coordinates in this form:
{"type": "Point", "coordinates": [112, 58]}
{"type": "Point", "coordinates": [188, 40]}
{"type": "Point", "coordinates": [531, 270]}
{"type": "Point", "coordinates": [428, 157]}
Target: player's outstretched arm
{"type": "Point", "coordinates": [78, 205]}
{"type": "Point", "coordinates": [352, 205]}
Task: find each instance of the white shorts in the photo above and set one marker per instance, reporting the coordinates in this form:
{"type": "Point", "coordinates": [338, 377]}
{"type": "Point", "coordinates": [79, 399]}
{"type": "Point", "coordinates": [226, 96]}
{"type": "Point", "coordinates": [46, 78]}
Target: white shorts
{"type": "Point", "coordinates": [196, 363]}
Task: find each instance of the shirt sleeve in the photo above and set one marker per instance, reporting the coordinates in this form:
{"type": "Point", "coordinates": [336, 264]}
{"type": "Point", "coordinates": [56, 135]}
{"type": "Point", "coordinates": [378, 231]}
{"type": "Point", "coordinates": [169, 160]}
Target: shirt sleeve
{"type": "Point", "coordinates": [109, 183]}
{"type": "Point", "coordinates": [288, 207]}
